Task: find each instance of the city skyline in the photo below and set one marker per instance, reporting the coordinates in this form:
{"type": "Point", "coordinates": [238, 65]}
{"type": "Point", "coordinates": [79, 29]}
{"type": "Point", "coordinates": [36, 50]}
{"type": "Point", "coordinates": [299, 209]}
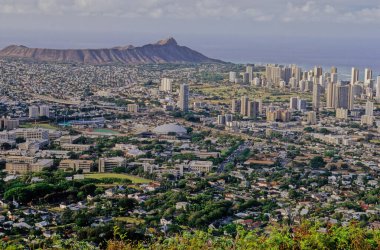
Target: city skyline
{"type": "Point", "coordinates": [310, 33]}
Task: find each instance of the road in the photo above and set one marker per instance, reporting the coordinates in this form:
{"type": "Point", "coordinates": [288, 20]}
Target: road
{"type": "Point", "coordinates": [232, 157]}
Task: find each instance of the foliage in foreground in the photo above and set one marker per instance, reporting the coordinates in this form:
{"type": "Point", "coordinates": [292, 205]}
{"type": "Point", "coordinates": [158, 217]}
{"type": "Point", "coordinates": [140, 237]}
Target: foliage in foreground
{"type": "Point", "coordinates": [306, 236]}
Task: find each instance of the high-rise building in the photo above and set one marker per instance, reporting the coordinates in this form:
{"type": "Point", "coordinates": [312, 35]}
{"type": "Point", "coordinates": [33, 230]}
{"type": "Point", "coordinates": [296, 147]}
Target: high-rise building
{"type": "Point", "coordinates": [334, 70]}
{"type": "Point", "coordinates": [301, 106]}
{"type": "Point", "coordinates": [232, 77]}
{"type": "Point", "coordinates": [246, 78]}
{"type": "Point", "coordinates": [244, 105]}
{"type": "Point", "coordinates": [293, 103]}
{"type": "Point", "coordinates": [44, 110]}
{"type": "Point", "coordinates": [33, 112]}
{"type": "Point", "coordinates": [297, 73]}
{"type": "Point", "coordinates": [287, 74]}
{"type": "Point", "coordinates": [253, 109]}
{"type": "Point", "coordinates": [316, 96]}
{"type": "Point", "coordinates": [274, 74]}
{"type": "Point", "coordinates": [166, 85]}
{"type": "Point", "coordinates": [330, 95]}
{"type": "Point", "coordinates": [184, 98]}
{"type": "Point", "coordinates": [334, 77]}
{"type": "Point", "coordinates": [378, 87]}
{"type": "Point", "coordinates": [249, 70]}
{"type": "Point", "coordinates": [354, 75]}
{"type": "Point", "coordinates": [260, 102]}
{"type": "Point", "coordinates": [342, 95]}
{"type": "Point", "coordinates": [318, 71]}
{"type": "Point", "coordinates": [235, 106]}
{"type": "Point", "coordinates": [367, 75]}
{"type": "Point", "coordinates": [369, 108]}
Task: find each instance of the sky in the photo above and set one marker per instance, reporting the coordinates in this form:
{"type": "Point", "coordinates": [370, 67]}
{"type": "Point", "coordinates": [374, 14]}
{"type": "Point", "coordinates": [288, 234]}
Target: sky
{"type": "Point", "coordinates": [233, 30]}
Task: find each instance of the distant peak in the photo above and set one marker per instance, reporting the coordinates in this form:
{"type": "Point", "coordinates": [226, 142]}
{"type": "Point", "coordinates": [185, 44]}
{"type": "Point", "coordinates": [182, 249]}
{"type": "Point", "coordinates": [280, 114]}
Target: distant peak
{"type": "Point", "coordinates": [168, 41]}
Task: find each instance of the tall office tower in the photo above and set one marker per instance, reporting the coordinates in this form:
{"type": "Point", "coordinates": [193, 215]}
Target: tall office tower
{"type": "Point", "coordinates": [305, 75]}
{"type": "Point", "coordinates": [301, 106]}
{"type": "Point", "coordinates": [260, 102]}
{"type": "Point", "coordinates": [351, 97]}
{"type": "Point", "coordinates": [311, 118]}
{"type": "Point", "coordinates": [369, 108]}
{"type": "Point", "coordinates": [287, 74]}
{"type": "Point", "coordinates": [293, 103]}
{"type": "Point", "coordinates": [330, 95]}
{"type": "Point", "coordinates": [253, 109]}
{"type": "Point", "coordinates": [184, 97]}
{"type": "Point", "coordinates": [318, 71]}
{"type": "Point", "coordinates": [249, 70]}
{"type": "Point", "coordinates": [232, 77]}
{"type": "Point", "coordinates": [367, 75]}
{"type": "Point", "coordinates": [302, 85]}
{"type": "Point", "coordinates": [354, 75]}
{"type": "Point", "coordinates": [342, 95]}
{"type": "Point", "coordinates": [244, 106]}
{"type": "Point", "coordinates": [297, 73]}
{"type": "Point", "coordinates": [44, 110]}
{"type": "Point", "coordinates": [334, 70]}
{"type": "Point", "coordinates": [274, 74]}
{"type": "Point", "coordinates": [246, 78]}
{"type": "Point", "coordinates": [166, 85]}
{"type": "Point", "coordinates": [378, 87]}
{"type": "Point", "coordinates": [235, 106]}
{"type": "Point", "coordinates": [293, 83]}
{"type": "Point", "coordinates": [33, 112]}
{"type": "Point", "coordinates": [316, 96]}
{"type": "Point", "coordinates": [334, 77]}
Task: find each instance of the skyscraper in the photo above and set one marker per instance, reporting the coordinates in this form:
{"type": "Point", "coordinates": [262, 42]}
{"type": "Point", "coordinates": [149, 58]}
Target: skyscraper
{"type": "Point", "coordinates": [367, 75]}
{"type": "Point", "coordinates": [341, 95]}
{"type": "Point", "coordinates": [369, 108]}
{"type": "Point", "coordinates": [249, 70]}
{"type": "Point", "coordinates": [232, 77]}
{"type": "Point", "coordinates": [184, 97]}
{"type": "Point", "coordinates": [253, 109]}
{"type": "Point", "coordinates": [244, 106]}
{"type": "Point", "coordinates": [166, 85]}
{"type": "Point", "coordinates": [354, 75]}
{"type": "Point", "coordinates": [318, 71]}
{"type": "Point", "coordinates": [378, 87]}
{"type": "Point", "coordinates": [316, 96]}
{"type": "Point", "coordinates": [293, 103]}
{"type": "Point", "coordinates": [334, 70]}
{"type": "Point", "coordinates": [330, 95]}
{"type": "Point", "coordinates": [235, 106]}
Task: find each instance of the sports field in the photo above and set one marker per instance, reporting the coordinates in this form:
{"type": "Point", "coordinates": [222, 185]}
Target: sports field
{"type": "Point", "coordinates": [134, 179]}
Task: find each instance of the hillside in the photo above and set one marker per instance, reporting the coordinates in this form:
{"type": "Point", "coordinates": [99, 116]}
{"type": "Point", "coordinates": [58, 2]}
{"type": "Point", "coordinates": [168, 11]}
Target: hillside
{"type": "Point", "coordinates": [164, 51]}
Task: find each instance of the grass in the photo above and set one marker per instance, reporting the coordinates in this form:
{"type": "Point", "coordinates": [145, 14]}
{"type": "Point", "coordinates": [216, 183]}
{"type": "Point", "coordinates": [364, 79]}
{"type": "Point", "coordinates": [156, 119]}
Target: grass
{"type": "Point", "coordinates": [39, 125]}
{"type": "Point", "coordinates": [134, 179]}
{"type": "Point", "coordinates": [131, 220]}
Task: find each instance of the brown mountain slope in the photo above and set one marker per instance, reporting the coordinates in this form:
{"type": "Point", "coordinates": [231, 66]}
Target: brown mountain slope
{"type": "Point", "coordinates": [164, 51]}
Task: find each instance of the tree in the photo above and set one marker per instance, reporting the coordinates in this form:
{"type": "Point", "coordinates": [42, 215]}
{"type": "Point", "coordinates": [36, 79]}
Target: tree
{"type": "Point", "coordinates": [317, 162]}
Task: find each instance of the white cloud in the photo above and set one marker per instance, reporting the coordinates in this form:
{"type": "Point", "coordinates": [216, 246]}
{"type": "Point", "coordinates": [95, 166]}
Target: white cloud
{"type": "Point", "coordinates": [339, 11]}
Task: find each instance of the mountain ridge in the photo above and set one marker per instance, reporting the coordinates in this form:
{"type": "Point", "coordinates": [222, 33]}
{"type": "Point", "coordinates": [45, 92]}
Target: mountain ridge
{"type": "Point", "coordinates": [163, 51]}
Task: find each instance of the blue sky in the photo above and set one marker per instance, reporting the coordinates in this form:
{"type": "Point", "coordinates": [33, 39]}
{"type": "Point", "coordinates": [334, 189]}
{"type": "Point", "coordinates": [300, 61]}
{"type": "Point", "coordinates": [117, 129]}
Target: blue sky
{"type": "Point", "coordinates": [219, 28]}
